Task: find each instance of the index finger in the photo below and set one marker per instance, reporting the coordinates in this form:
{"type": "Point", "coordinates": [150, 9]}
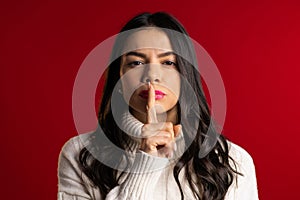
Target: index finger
{"type": "Point", "coordinates": [151, 112]}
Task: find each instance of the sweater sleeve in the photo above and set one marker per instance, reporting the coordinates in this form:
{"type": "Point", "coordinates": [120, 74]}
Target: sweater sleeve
{"type": "Point", "coordinates": [72, 183]}
{"type": "Point", "coordinates": [245, 186]}
{"type": "Point", "coordinates": [138, 184]}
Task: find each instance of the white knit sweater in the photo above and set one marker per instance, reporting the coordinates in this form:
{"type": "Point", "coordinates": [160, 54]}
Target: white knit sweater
{"type": "Point", "coordinates": [156, 184]}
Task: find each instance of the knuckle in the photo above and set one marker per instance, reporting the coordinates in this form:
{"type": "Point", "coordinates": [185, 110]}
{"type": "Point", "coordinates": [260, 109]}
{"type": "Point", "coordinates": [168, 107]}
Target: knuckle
{"type": "Point", "coordinates": [167, 138]}
{"type": "Point", "coordinates": [147, 134]}
{"type": "Point", "coordinates": [148, 143]}
{"type": "Point", "coordinates": [169, 125]}
{"type": "Point", "coordinates": [145, 127]}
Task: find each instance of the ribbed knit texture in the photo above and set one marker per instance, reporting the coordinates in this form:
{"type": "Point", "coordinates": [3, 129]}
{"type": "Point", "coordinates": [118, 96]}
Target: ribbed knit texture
{"type": "Point", "coordinates": [150, 176]}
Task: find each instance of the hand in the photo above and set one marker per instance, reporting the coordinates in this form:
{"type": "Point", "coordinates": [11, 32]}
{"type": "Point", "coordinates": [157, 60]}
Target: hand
{"type": "Point", "coordinates": [158, 137]}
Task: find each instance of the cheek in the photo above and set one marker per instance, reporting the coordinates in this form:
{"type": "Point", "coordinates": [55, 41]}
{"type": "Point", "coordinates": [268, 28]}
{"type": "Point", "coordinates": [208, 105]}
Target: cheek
{"type": "Point", "coordinates": [128, 86]}
{"type": "Point", "coordinates": [130, 82]}
{"type": "Point", "coordinates": [172, 82]}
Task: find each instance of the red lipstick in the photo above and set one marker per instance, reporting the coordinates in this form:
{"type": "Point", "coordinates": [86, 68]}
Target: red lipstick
{"type": "Point", "coordinates": [158, 94]}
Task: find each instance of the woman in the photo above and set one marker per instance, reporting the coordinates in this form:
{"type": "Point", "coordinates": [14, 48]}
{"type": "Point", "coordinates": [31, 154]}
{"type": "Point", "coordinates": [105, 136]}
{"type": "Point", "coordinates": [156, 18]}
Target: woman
{"type": "Point", "coordinates": [155, 139]}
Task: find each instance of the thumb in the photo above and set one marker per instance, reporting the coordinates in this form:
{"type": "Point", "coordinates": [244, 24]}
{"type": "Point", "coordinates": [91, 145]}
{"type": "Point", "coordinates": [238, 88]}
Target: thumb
{"type": "Point", "coordinates": [177, 130]}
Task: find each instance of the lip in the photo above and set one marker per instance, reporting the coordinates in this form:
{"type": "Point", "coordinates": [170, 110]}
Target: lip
{"type": "Point", "coordinates": [158, 94]}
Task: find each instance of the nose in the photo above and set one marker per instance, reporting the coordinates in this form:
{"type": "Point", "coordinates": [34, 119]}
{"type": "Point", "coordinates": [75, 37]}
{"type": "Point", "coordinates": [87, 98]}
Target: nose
{"type": "Point", "coordinates": [152, 73]}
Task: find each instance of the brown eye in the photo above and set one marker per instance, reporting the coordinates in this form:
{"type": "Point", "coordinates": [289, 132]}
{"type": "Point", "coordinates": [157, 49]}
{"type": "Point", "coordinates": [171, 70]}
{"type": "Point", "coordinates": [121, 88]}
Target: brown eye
{"type": "Point", "coordinates": [169, 63]}
{"type": "Point", "coordinates": [135, 63]}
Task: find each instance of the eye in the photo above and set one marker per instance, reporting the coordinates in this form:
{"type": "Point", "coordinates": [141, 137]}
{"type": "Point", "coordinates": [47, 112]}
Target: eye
{"type": "Point", "coordinates": [135, 63]}
{"type": "Point", "coordinates": [169, 63]}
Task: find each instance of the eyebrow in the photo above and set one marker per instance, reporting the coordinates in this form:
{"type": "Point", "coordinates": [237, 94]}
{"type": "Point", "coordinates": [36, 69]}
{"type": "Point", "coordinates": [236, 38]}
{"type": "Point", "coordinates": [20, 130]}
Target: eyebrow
{"type": "Point", "coordinates": [134, 53]}
{"type": "Point", "coordinates": [166, 54]}
{"type": "Point", "coordinates": [142, 55]}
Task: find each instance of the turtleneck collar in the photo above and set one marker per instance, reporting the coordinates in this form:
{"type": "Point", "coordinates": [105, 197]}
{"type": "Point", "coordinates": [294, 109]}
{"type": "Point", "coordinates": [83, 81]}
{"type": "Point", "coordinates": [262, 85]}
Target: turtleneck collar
{"type": "Point", "coordinates": [133, 127]}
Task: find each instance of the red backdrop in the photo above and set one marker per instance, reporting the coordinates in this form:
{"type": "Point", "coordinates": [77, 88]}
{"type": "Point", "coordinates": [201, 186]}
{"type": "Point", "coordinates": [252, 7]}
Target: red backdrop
{"type": "Point", "coordinates": [254, 44]}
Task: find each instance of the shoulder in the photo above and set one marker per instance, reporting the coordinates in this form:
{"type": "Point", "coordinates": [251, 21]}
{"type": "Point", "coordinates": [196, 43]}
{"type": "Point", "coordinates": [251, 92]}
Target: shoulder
{"type": "Point", "coordinates": [242, 161]}
{"type": "Point", "coordinates": [69, 154]}
{"type": "Point", "coordinates": [72, 182]}
{"type": "Point", "coordinates": [74, 145]}
{"type": "Point", "coordinates": [239, 154]}
{"type": "Point", "coordinates": [245, 186]}
{"type": "Point", "coordinates": [71, 146]}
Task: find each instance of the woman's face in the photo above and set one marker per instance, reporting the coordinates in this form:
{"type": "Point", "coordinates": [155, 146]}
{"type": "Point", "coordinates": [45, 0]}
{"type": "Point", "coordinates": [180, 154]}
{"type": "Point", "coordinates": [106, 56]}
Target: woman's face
{"type": "Point", "coordinates": [157, 65]}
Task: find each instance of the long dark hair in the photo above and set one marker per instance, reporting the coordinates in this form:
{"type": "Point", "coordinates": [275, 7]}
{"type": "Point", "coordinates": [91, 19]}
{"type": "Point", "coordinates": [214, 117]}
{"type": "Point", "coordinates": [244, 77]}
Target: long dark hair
{"type": "Point", "coordinates": [209, 177]}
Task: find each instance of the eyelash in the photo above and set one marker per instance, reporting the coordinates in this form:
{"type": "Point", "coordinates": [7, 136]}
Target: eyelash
{"type": "Point", "coordinates": [168, 62]}
{"type": "Point", "coordinates": [135, 63]}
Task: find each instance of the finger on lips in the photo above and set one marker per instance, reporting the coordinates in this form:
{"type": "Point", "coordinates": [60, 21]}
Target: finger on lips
{"type": "Point", "coordinates": [151, 113]}
{"type": "Point", "coordinates": [158, 135]}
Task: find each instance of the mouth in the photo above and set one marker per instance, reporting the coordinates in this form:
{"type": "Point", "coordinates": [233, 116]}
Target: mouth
{"type": "Point", "coordinates": [158, 94]}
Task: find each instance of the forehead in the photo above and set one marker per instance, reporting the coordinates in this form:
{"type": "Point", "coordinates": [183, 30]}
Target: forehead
{"type": "Point", "coordinates": [149, 38]}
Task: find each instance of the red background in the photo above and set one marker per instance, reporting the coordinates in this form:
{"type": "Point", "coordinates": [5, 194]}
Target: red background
{"type": "Point", "coordinates": [43, 43]}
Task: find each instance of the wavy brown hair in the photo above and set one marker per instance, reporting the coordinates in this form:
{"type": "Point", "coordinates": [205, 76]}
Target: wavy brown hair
{"type": "Point", "coordinates": [209, 177]}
